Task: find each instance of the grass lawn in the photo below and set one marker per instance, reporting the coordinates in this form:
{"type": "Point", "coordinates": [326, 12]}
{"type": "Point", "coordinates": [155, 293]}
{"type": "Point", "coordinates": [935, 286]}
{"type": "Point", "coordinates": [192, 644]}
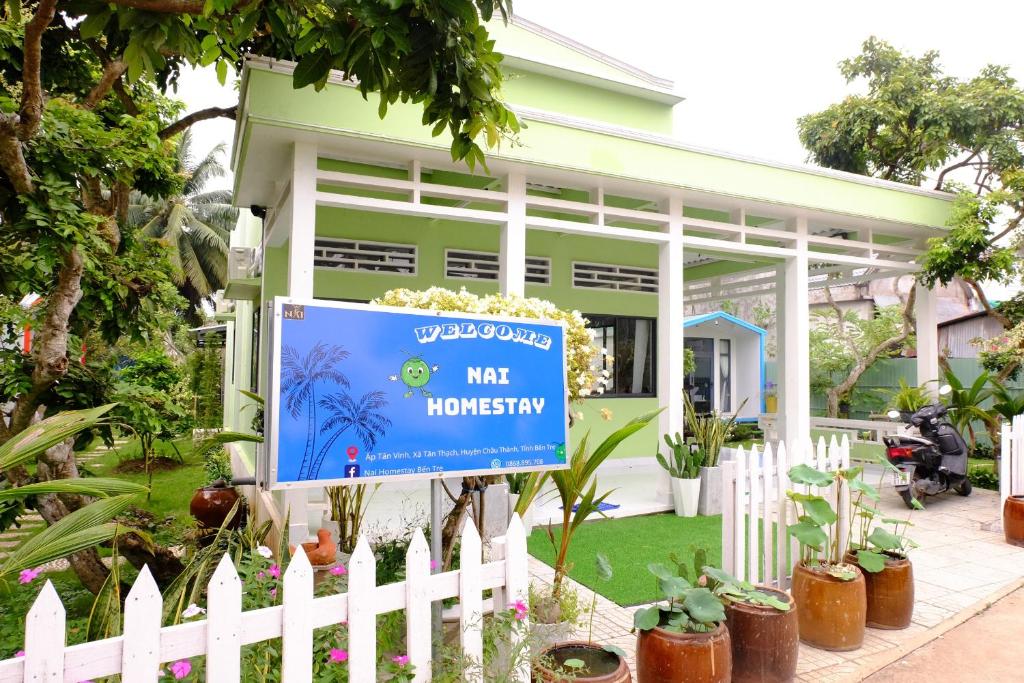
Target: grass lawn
{"type": "Point", "coordinates": [172, 488]}
{"type": "Point", "coordinates": [630, 545]}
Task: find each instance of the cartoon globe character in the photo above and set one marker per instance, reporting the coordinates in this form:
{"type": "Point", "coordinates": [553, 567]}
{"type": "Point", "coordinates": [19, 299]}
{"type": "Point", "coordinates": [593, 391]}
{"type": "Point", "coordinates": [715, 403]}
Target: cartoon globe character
{"type": "Point", "coordinates": [415, 374]}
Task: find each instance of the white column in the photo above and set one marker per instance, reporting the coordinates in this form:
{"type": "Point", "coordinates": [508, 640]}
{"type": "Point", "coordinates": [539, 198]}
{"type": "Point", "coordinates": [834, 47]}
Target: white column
{"type": "Point", "coordinates": [794, 418]}
{"type": "Point", "coordinates": [927, 339]}
{"type": "Point", "coordinates": [670, 331]}
{"type": "Point", "coordinates": [301, 238]}
{"type": "Point", "coordinates": [512, 254]}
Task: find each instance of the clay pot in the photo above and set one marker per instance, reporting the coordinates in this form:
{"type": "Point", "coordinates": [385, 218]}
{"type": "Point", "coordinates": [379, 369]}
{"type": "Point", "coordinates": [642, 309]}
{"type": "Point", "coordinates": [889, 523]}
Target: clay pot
{"type": "Point", "coordinates": [890, 594]}
{"type": "Point", "coordinates": [1013, 520]}
{"type": "Point", "coordinates": [765, 641]}
{"type": "Point", "coordinates": [211, 505]}
{"type": "Point", "coordinates": [600, 666]}
{"type": "Point", "coordinates": [831, 612]}
{"type": "Point", "coordinates": [320, 553]}
{"type": "Point", "coordinates": [668, 657]}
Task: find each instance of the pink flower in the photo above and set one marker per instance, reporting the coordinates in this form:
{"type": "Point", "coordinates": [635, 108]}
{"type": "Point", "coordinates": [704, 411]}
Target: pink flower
{"type": "Point", "coordinates": [181, 668]}
{"type": "Point", "coordinates": [339, 570]}
{"type": "Point", "coordinates": [400, 660]}
{"type": "Point", "coordinates": [29, 575]}
{"type": "Point", "coordinates": [260, 575]}
{"type": "Point", "coordinates": [433, 565]}
{"type": "Point", "coordinates": [19, 653]}
{"type": "Point", "coordinates": [274, 571]}
{"type": "Point", "coordinates": [337, 655]}
{"type": "Point", "coordinates": [521, 610]}
{"type": "Point", "coordinates": [273, 592]}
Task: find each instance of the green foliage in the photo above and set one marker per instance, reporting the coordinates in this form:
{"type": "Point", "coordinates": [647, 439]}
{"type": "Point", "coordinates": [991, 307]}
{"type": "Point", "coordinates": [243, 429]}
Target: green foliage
{"type": "Point", "coordinates": [874, 538]}
{"type": "Point", "coordinates": [728, 587]}
{"type": "Point", "coordinates": [152, 367]}
{"type": "Point", "coordinates": [1004, 353]}
{"type": "Point", "coordinates": [907, 398]}
{"type": "Point", "coordinates": [1012, 308]}
{"type": "Point", "coordinates": [816, 526]}
{"type": "Point", "coordinates": [217, 466]}
{"type": "Point", "coordinates": [965, 403]}
{"type": "Point", "coordinates": [205, 380]}
{"type": "Point", "coordinates": [577, 486]}
{"type": "Point", "coordinates": [1007, 403]}
{"type": "Point", "coordinates": [686, 461]}
{"type": "Point", "coordinates": [983, 478]}
{"type": "Point", "coordinates": [710, 432]}
{"type": "Point", "coordinates": [690, 609]}
{"type": "Point", "coordinates": [912, 121]}
{"type": "Point", "coordinates": [29, 444]}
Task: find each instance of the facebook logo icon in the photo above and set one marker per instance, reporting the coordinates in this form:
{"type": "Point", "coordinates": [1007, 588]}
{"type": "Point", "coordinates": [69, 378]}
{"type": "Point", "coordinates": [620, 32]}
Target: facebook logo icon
{"type": "Point", "coordinates": [351, 471]}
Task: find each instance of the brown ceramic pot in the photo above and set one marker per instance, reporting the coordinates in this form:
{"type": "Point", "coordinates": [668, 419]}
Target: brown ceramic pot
{"type": "Point", "coordinates": [765, 641]}
{"type": "Point", "coordinates": [1013, 520]}
{"type": "Point", "coordinates": [831, 612]}
{"type": "Point", "coordinates": [890, 594]}
{"type": "Point", "coordinates": [600, 666]}
{"type": "Point", "coordinates": [668, 657]}
{"type": "Point", "coordinates": [211, 505]}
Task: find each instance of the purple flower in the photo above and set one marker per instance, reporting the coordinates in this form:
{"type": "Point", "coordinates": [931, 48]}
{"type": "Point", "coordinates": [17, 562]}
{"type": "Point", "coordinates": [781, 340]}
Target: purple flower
{"type": "Point", "coordinates": [339, 570]}
{"type": "Point", "coordinates": [274, 571]}
{"type": "Point", "coordinates": [337, 655]}
{"type": "Point", "coordinates": [181, 668]}
{"type": "Point", "coordinates": [29, 575]}
{"type": "Point", "coordinates": [521, 609]}
{"type": "Point", "coordinates": [260, 575]}
{"type": "Point", "coordinates": [273, 592]}
{"type": "Point", "coordinates": [400, 660]}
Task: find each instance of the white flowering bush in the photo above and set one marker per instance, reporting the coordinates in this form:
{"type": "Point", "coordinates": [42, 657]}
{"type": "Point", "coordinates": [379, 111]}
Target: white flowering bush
{"type": "Point", "coordinates": [584, 374]}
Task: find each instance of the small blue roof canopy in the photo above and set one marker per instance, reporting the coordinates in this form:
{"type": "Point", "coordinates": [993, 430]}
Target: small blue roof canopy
{"type": "Point", "coordinates": [746, 374]}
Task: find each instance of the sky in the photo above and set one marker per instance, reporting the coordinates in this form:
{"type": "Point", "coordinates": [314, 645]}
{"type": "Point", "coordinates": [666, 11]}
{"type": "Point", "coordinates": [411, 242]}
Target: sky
{"type": "Point", "coordinates": [748, 70]}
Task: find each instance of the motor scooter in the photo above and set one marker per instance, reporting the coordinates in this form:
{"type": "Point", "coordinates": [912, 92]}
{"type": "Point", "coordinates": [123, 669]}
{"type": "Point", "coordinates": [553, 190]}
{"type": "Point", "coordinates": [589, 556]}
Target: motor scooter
{"type": "Point", "coordinates": [932, 461]}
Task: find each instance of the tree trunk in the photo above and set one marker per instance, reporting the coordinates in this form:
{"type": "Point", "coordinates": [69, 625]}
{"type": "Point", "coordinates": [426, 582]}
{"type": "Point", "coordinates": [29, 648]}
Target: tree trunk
{"type": "Point", "coordinates": [163, 564]}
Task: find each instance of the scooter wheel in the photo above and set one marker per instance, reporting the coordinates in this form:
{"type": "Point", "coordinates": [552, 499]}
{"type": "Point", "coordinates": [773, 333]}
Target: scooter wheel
{"type": "Point", "coordinates": [908, 497]}
{"type": "Point", "coordinates": [964, 489]}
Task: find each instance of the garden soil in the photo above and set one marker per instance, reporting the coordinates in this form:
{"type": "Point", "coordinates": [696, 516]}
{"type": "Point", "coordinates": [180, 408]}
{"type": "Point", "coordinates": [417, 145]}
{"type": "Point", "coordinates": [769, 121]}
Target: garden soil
{"type": "Point", "coordinates": [984, 649]}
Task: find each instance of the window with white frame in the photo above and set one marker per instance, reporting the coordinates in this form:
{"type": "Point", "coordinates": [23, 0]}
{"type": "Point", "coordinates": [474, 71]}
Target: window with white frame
{"type": "Point", "coordinates": [364, 255]}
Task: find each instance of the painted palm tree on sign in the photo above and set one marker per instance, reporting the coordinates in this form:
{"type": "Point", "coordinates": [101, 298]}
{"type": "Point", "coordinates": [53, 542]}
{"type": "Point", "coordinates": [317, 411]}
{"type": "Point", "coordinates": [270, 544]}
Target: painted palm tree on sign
{"type": "Point", "coordinates": [194, 224]}
{"type": "Point", "coordinates": [364, 417]}
{"type": "Point", "coordinates": [299, 377]}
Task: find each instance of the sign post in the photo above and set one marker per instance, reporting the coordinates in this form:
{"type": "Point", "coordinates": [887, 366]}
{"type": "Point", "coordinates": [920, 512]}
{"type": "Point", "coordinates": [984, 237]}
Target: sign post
{"type": "Point", "coordinates": [367, 394]}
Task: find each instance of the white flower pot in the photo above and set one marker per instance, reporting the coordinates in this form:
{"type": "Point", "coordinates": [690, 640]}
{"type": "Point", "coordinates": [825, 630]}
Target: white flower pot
{"type": "Point", "coordinates": [685, 494]}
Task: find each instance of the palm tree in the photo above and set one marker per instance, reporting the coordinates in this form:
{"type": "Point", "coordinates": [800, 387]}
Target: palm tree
{"type": "Point", "coordinates": [298, 383]}
{"type": "Point", "coordinates": [363, 416]}
{"type": "Point", "coordinates": [193, 224]}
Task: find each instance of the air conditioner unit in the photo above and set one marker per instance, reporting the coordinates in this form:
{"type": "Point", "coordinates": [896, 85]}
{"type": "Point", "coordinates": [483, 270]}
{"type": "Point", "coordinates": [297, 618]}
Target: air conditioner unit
{"type": "Point", "coordinates": [241, 262]}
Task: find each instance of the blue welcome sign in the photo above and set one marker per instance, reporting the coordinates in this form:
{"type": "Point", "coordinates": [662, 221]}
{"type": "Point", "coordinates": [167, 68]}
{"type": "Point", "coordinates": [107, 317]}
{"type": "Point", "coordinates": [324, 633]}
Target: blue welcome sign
{"type": "Point", "coordinates": [370, 393]}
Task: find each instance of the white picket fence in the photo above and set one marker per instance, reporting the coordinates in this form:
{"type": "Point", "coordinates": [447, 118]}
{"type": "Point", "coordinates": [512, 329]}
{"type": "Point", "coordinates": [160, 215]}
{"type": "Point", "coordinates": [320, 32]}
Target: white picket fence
{"type": "Point", "coordinates": [1011, 463]}
{"type": "Point", "coordinates": [754, 501]}
{"type": "Point", "coordinates": [145, 646]}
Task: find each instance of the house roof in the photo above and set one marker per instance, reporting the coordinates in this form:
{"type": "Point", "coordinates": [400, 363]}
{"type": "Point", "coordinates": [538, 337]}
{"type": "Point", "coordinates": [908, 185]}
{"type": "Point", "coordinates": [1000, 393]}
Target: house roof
{"type": "Point", "coordinates": [694, 320]}
{"type": "Point", "coordinates": [531, 47]}
{"type": "Point", "coordinates": [963, 318]}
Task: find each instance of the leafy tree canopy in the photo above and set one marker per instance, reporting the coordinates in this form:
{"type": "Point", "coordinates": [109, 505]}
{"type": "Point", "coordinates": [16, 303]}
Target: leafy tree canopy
{"type": "Point", "coordinates": [914, 124]}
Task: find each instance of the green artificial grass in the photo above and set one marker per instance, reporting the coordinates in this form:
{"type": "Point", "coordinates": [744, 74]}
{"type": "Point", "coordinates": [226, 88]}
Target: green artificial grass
{"type": "Point", "coordinates": [172, 488]}
{"type": "Point", "coordinates": [631, 544]}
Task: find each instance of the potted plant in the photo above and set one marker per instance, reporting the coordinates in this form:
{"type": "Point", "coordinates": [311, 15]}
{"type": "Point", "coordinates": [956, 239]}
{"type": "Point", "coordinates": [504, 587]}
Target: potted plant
{"type": "Point", "coordinates": [684, 472]}
{"type": "Point", "coordinates": [684, 638]}
{"type": "Point", "coordinates": [829, 592]}
{"type": "Point", "coordinates": [1013, 520]}
{"type": "Point", "coordinates": [212, 503]}
{"type": "Point", "coordinates": [763, 628]}
{"type": "Point", "coordinates": [586, 661]}
{"type": "Point", "coordinates": [576, 489]}
{"type": "Point", "coordinates": [710, 433]}
{"type": "Point", "coordinates": [771, 397]}
{"type": "Point", "coordinates": [907, 399]}
{"type": "Point", "coordinates": [883, 555]}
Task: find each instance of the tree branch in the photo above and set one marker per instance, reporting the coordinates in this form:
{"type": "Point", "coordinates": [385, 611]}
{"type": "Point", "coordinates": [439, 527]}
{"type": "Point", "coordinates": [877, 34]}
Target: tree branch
{"type": "Point", "coordinates": [12, 157]}
{"type": "Point", "coordinates": [197, 116]}
{"type": "Point", "coordinates": [164, 6]}
{"type": "Point", "coordinates": [841, 325]}
{"type": "Point", "coordinates": [962, 164]}
{"type": "Point", "coordinates": [1002, 319]}
{"type": "Point", "coordinates": [112, 71]}
{"type": "Point", "coordinates": [31, 112]}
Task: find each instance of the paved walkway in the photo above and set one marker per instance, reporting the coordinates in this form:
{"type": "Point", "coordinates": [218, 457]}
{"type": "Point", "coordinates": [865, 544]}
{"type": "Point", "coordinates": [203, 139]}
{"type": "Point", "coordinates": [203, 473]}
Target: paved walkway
{"type": "Point", "coordinates": [962, 565]}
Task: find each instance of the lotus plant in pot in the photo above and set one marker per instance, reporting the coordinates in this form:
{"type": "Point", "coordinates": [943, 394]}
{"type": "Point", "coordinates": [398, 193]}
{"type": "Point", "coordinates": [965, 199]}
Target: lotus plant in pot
{"type": "Point", "coordinates": [710, 433]}
{"type": "Point", "coordinates": [829, 591]}
{"type": "Point", "coordinates": [586, 661]}
{"type": "Point", "coordinates": [576, 490]}
{"type": "Point", "coordinates": [683, 467]}
{"type": "Point", "coordinates": [880, 547]}
{"type": "Point", "coordinates": [682, 639]}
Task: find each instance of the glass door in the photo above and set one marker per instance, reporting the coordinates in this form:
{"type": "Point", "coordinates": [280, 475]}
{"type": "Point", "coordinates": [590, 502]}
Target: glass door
{"type": "Point", "coordinates": [700, 384]}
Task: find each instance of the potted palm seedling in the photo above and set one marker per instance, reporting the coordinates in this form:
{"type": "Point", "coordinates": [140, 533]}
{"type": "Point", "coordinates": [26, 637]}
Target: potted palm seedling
{"type": "Point", "coordinates": [710, 433]}
{"type": "Point", "coordinates": [683, 467]}
{"type": "Point", "coordinates": [829, 591]}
